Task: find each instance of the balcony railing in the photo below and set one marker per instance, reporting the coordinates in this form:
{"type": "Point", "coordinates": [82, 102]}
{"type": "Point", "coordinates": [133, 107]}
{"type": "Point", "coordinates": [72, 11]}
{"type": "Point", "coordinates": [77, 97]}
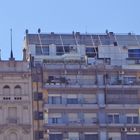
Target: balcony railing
{"type": "Point", "coordinates": [122, 101]}
{"type": "Point", "coordinates": [10, 120]}
{"type": "Point", "coordinates": [85, 122]}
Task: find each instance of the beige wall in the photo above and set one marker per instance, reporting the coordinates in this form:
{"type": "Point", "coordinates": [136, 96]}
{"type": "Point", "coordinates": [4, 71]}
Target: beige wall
{"type": "Point", "coordinates": [15, 106]}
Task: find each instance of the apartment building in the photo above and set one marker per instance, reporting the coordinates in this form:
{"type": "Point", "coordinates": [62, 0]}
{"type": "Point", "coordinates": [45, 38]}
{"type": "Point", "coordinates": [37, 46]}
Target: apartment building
{"type": "Point", "coordinates": [85, 86]}
{"type": "Point", "coordinates": [15, 100]}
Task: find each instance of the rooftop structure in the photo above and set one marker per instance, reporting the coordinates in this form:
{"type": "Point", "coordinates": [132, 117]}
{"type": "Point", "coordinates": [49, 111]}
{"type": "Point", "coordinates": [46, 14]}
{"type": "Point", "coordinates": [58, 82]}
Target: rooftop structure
{"type": "Point", "coordinates": [87, 86]}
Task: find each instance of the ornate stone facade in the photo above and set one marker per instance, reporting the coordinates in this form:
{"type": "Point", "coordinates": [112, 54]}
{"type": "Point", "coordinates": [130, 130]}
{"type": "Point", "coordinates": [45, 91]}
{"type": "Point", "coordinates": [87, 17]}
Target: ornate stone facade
{"type": "Point", "coordinates": [15, 101]}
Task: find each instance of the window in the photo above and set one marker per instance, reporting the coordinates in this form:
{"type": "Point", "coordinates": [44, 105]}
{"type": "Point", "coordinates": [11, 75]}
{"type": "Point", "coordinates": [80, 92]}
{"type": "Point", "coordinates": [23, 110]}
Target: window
{"type": "Point", "coordinates": [38, 115]}
{"type": "Point", "coordinates": [38, 135]}
{"type": "Point", "coordinates": [134, 53]}
{"type": "Point", "coordinates": [73, 117]}
{"type": "Point", "coordinates": [72, 99]}
{"type": "Point", "coordinates": [90, 52]}
{"type": "Point", "coordinates": [90, 99]}
{"type": "Point", "coordinates": [114, 136]}
{"type": "Point", "coordinates": [38, 96]}
{"type": "Point", "coordinates": [113, 118]}
{"type": "Point", "coordinates": [129, 80]}
{"type": "Point", "coordinates": [12, 114]}
{"type": "Point", "coordinates": [90, 118]}
{"type": "Point", "coordinates": [115, 43]}
{"type": "Point", "coordinates": [17, 90]}
{"type": "Point", "coordinates": [55, 99]}
{"type": "Point", "coordinates": [55, 118]}
{"type": "Point", "coordinates": [59, 50]}
{"type": "Point", "coordinates": [55, 136]}
{"type": "Point", "coordinates": [13, 136]}
{"type": "Point", "coordinates": [73, 136]}
{"type": "Point", "coordinates": [38, 50]}
{"type": "Point", "coordinates": [6, 89]}
{"type": "Point", "coordinates": [132, 118]}
{"type": "Point", "coordinates": [46, 50]}
{"type": "Point", "coordinates": [91, 136]}
{"type": "Point", "coordinates": [42, 50]}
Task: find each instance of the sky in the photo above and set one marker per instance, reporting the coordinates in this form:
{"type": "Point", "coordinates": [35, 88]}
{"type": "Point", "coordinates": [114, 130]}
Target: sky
{"type": "Point", "coordinates": [64, 16]}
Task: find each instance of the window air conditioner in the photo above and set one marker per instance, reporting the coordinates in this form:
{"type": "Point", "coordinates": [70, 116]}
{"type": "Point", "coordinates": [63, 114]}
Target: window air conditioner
{"type": "Point", "coordinates": [123, 129]}
{"type": "Point", "coordinates": [133, 129]}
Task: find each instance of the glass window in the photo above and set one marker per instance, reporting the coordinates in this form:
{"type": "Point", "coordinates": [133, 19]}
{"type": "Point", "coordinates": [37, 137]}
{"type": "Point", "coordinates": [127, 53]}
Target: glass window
{"type": "Point", "coordinates": [90, 52]}
{"type": "Point", "coordinates": [42, 50]}
{"type": "Point", "coordinates": [6, 89]}
{"type": "Point", "coordinates": [114, 136]}
{"type": "Point", "coordinates": [46, 50]}
{"type": "Point", "coordinates": [17, 90]}
{"type": "Point", "coordinates": [134, 53]}
{"type": "Point", "coordinates": [116, 118]}
{"type": "Point", "coordinates": [55, 136]}
{"type": "Point", "coordinates": [129, 119]}
{"type": "Point", "coordinates": [67, 49]}
{"type": "Point", "coordinates": [129, 80]}
{"type": "Point", "coordinates": [90, 99]}
{"type": "Point", "coordinates": [73, 136]}
{"type": "Point", "coordinates": [113, 118]}
{"type": "Point", "coordinates": [110, 119]}
{"type": "Point", "coordinates": [55, 100]}
{"type": "Point", "coordinates": [54, 120]}
{"type": "Point", "coordinates": [91, 136]}
{"type": "Point", "coordinates": [72, 101]}
{"type": "Point", "coordinates": [59, 50]}
{"type": "Point", "coordinates": [73, 117]}
{"type": "Point", "coordinates": [90, 118]}
{"type": "Point", "coordinates": [38, 50]}
{"type": "Point", "coordinates": [132, 119]}
{"type": "Point", "coordinates": [135, 119]}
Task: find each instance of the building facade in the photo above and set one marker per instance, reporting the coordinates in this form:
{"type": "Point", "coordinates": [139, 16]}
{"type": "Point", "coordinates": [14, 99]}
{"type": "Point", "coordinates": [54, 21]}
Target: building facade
{"type": "Point", "coordinates": [15, 100]}
{"type": "Point", "coordinates": [85, 86]}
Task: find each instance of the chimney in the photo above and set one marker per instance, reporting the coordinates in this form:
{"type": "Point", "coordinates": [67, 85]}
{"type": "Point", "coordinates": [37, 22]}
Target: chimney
{"type": "Point", "coordinates": [26, 31]}
{"type": "Point", "coordinates": [24, 54]}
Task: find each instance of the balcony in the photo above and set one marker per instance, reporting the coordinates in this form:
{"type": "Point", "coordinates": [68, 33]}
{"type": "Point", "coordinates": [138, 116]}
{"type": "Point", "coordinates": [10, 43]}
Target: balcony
{"type": "Point", "coordinates": [71, 106]}
{"type": "Point", "coordinates": [122, 106]}
{"type": "Point", "coordinates": [11, 120]}
{"type": "Point", "coordinates": [78, 124]}
{"type": "Point", "coordinates": [120, 99]}
{"type": "Point", "coordinates": [72, 85]}
{"type": "Point", "coordinates": [123, 83]}
{"type": "Point", "coordinates": [10, 98]}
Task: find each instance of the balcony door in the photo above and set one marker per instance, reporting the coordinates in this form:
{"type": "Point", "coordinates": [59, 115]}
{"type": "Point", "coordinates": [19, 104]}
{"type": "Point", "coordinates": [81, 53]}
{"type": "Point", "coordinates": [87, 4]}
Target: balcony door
{"type": "Point", "coordinates": [13, 136]}
{"type": "Point", "coordinates": [12, 114]}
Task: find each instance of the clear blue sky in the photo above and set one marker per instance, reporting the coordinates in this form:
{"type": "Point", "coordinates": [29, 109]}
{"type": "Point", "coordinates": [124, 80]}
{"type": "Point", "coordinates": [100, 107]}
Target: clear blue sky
{"type": "Point", "coordinates": [93, 16]}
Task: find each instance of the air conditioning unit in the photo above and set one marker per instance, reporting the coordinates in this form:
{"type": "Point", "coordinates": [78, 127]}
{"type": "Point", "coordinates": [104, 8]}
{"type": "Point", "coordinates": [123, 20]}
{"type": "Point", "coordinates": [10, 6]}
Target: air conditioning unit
{"type": "Point", "coordinates": [123, 129]}
{"type": "Point", "coordinates": [133, 129]}
{"type": "Point", "coordinates": [124, 47]}
{"type": "Point", "coordinates": [137, 61]}
{"type": "Point", "coordinates": [73, 48]}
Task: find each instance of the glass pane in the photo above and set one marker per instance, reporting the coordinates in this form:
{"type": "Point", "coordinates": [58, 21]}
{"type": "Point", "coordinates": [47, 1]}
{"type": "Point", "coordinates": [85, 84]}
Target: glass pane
{"type": "Point", "coordinates": [116, 118]}
{"type": "Point", "coordinates": [135, 119]}
{"type": "Point", "coordinates": [129, 119]}
{"type": "Point", "coordinates": [110, 119]}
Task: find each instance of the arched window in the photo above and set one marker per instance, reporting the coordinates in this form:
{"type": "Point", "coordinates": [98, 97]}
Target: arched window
{"type": "Point", "coordinates": [12, 136]}
{"type": "Point", "coordinates": [17, 90]}
{"type": "Point", "coordinates": [6, 89]}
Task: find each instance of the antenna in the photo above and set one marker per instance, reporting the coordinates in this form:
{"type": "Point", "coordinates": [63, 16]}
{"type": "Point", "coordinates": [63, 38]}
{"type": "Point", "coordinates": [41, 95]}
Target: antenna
{"type": "Point", "coordinates": [11, 54]}
{"type": "Point", "coordinates": [0, 54]}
